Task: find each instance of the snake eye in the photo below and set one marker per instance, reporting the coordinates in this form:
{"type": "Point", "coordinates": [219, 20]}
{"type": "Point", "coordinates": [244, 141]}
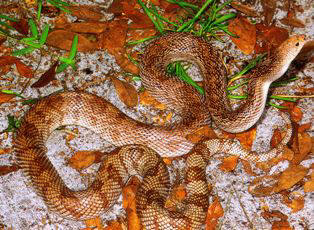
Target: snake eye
{"type": "Point", "coordinates": [297, 44]}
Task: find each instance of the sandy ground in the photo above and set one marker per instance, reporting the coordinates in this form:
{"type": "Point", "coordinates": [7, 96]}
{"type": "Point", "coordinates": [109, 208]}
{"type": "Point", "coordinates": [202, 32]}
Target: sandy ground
{"type": "Point", "coordinates": [21, 208]}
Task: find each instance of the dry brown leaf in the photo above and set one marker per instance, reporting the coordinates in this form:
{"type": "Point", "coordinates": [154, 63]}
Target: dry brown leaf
{"type": "Point", "coordinates": [246, 33]}
{"type": "Point", "coordinates": [7, 60]}
{"type": "Point", "coordinates": [126, 92]}
{"type": "Point", "coordinates": [204, 132]}
{"type": "Point", "coordinates": [83, 159]}
{"type": "Point", "coordinates": [114, 225]}
{"type": "Point", "coordinates": [264, 185]}
{"type": "Point", "coordinates": [86, 12]}
{"type": "Point", "coordinates": [23, 69]}
{"type": "Point", "coordinates": [249, 11]}
{"type": "Point", "coordinates": [291, 20]}
{"type": "Point", "coordinates": [269, 37]}
{"type": "Point", "coordinates": [5, 97]}
{"type": "Point", "coordinates": [246, 138]}
{"type": "Point", "coordinates": [5, 151]}
{"type": "Point", "coordinates": [47, 77]}
{"type": "Point", "coordinates": [296, 114]}
{"type": "Point", "coordinates": [21, 26]}
{"type": "Point", "coordinates": [304, 127]}
{"type": "Point", "coordinates": [309, 185]}
{"type": "Point", "coordinates": [167, 160]}
{"type": "Point", "coordinates": [290, 177]}
{"type": "Point", "coordinates": [269, 8]}
{"type": "Point", "coordinates": [278, 220]}
{"type": "Point", "coordinates": [229, 163]}
{"type": "Point", "coordinates": [179, 192]}
{"type": "Point", "coordinates": [303, 149]}
{"type": "Point", "coordinates": [276, 138]}
{"type": "Point", "coordinates": [129, 203]}
{"type": "Point", "coordinates": [247, 167]}
{"type": "Point", "coordinates": [6, 169]}
{"type": "Point", "coordinates": [214, 212]}
{"type": "Point", "coordinates": [297, 203]}
{"type": "Point", "coordinates": [94, 223]}
{"type": "Point", "coordinates": [62, 39]}
{"type": "Point", "coordinates": [147, 99]}
{"type": "Point", "coordinates": [84, 27]}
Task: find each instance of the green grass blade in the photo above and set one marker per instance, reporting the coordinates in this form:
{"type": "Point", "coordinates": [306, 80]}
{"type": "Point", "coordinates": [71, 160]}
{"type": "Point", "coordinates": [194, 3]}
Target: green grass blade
{"type": "Point", "coordinates": [8, 18]}
{"type": "Point", "coordinates": [44, 35]}
{"type": "Point", "coordinates": [33, 28]}
{"type": "Point", "coordinates": [24, 51]}
{"type": "Point", "coordinates": [73, 50]}
{"type": "Point", "coordinates": [40, 6]}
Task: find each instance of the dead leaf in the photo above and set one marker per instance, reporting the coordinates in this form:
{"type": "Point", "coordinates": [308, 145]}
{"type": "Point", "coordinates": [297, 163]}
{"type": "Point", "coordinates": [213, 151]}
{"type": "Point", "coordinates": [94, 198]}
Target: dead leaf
{"type": "Point", "coordinates": [247, 138]}
{"type": "Point", "coordinates": [6, 169]}
{"type": "Point", "coordinates": [85, 27]}
{"type": "Point", "coordinates": [269, 37]}
{"type": "Point", "coordinates": [5, 151]}
{"type": "Point", "coordinates": [303, 149]}
{"type": "Point", "coordinates": [147, 99]}
{"type": "Point", "coordinates": [247, 168]}
{"type": "Point", "coordinates": [62, 39]}
{"type": "Point", "coordinates": [304, 127]}
{"type": "Point", "coordinates": [229, 163]}
{"type": "Point", "coordinates": [47, 77]}
{"type": "Point", "coordinates": [291, 20]}
{"type": "Point", "coordinates": [249, 11]}
{"type": "Point", "coordinates": [83, 159]}
{"type": "Point", "coordinates": [21, 26]}
{"type": "Point", "coordinates": [290, 177]}
{"type": "Point", "coordinates": [204, 132]}
{"type": "Point", "coordinates": [5, 97]}
{"type": "Point", "coordinates": [246, 33]}
{"type": "Point", "coordinates": [86, 12]}
{"type": "Point", "coordinates": [94, 223]}
{"type": "Point", "coordinates": [296, 203]}
{"type": "Point", "coordinates": [273, 216]}
{"type": "Point", "coordinates": [269, 8]}
{"type": "Point", "coordinates": [126, 92]}
{"type": "Point", "coordinates": [129, 204]}
{"type": "Point", "coordinates": [23, 69]}
{"type": "Point", "coordinates": [296, 114]}
{"type": "Point", "coordinates": [214, 212]}
{"type": "Point", "coordinates": [309, 185]}
{"type": "Point", "coordinates": [276, 138]}
{"type": "Point", "coordinates": [7, 60]}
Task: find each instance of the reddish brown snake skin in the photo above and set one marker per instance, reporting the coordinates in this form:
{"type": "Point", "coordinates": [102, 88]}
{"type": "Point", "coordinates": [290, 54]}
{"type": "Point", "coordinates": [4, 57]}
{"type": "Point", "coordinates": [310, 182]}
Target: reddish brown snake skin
{"type": "Point", "coordinates": [139, 146]}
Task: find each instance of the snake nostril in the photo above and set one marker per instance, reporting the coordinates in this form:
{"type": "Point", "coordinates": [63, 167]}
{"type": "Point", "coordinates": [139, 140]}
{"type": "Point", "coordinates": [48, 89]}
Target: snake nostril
{"type": "Point", "coordinates": [297, 44]}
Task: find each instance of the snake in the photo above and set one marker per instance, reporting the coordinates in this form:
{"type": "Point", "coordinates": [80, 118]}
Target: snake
{"type": "Point", "coordinates": [139, 146]}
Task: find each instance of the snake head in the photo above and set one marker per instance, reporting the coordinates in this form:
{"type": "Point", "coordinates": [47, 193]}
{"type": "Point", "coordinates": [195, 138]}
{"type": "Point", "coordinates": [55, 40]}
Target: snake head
{"type": "Point", "coordinates": [284, 55]}
{"type": "Point", "coordinates": [291, 47]}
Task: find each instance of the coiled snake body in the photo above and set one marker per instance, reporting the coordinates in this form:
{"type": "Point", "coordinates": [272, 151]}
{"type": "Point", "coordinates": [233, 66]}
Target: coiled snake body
{"type": "Point", "coordinates": [140, 145]}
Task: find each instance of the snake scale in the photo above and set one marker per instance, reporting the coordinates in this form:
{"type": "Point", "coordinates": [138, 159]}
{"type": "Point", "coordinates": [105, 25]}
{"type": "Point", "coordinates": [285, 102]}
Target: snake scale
{"type": "Point", "coordinates": [140, 146]}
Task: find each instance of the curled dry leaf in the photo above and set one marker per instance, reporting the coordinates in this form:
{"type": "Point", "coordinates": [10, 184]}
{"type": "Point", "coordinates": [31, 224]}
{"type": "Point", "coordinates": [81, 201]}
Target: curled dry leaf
{"type": "Point", "coordinates": [83, 159]}
{"type": "Point", "coordinates": [47, 77]}
{"type": "Point", "coordinates": [5, 151]}
{"type": "Point", "coordinates": [94, 223]}
{"type": "Point", "coordinates": [276, 138]}
{"type": "Point", "coordinates": [302, 148]}
{"type": "Point", "coordinates": [268, 185]}
{"type": "Point", "coordinates": [6, 169]}
{"type": "Point", "coordinates": [147, 99]}
{"type": "Point", "coordinates": [269, 8]}
{"type": "Point", "coordinates": [309, 185]}
{"type": "Point", "coordinates": [246, 138]}
{"type": "Point", "coordinates": [62, 39]}
{"type": "Point", "coordinates": [126, 92]}
{"type": "Point", "coordinates": [229, 163]}
{"type": "Point", "coordinates": [21, 26]}
{"type": "Point", "coordinates": [269, 37]}
{"type": "Point", "coordinates": [85, 27]}
{"type": "Point", "coordinates": [246, 32]}
{"type": "Point", "coordinates": [295, 201]}
{"type": "Point", "coordinates": [129, 204]}
{"type": "Point", "coordinates": [291, 20]}
{"type": "Point", "coordinates": [214, 212]}
{"type": "Point", "coordinates": [202, 133]}
{"type": "Point", "coordinates": [23, 69]}
{"type": "Point", "coordinates": [249, 11]}
{"type": "Point", "coordinates": [86, 12]}
{"type": "Point", "coordinates": [290, 177]}
{"type": "Point", "coordinates": [5, 97]}
{"type": "Point", "coordinates": [279, 220]}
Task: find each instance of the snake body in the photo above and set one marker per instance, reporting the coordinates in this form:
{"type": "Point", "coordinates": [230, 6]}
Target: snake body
{"type": "Point", "coordinates": [139, 146]}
